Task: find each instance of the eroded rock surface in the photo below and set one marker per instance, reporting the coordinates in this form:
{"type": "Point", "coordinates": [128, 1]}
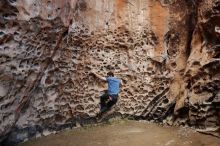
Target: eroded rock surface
{"type": "Point", "coordinates": [166, 52]}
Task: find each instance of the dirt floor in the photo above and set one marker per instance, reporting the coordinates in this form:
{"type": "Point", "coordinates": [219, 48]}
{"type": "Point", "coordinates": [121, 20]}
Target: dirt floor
{"type": "Point", "coordinates": [126, 133]}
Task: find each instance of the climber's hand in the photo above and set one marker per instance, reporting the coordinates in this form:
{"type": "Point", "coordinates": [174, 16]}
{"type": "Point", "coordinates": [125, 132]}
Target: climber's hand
{"type": "Point", "coordinates": [109, 99]}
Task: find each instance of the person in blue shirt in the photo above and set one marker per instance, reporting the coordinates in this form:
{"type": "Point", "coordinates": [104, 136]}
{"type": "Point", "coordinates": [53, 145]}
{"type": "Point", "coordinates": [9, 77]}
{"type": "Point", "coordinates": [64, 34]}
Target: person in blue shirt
{"type": "Point", "coordinates": [110, 97]}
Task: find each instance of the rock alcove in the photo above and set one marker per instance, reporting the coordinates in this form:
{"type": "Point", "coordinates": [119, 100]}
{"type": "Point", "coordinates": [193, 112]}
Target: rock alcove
{"type": "Point", "coordinates": [49, 47]}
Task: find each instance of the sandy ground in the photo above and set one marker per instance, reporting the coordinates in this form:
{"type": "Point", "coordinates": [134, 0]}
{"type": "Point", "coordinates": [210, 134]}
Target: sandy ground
{"type": "Point", "coordinates": [126, 133]}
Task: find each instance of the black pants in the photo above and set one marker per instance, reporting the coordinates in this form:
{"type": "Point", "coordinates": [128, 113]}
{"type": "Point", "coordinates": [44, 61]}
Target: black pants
{"type": "Point", "coordinates": [107, 101]}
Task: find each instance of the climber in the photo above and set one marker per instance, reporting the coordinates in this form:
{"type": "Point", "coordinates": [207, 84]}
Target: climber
{"type": "Point", "coordinates": [110, 97]}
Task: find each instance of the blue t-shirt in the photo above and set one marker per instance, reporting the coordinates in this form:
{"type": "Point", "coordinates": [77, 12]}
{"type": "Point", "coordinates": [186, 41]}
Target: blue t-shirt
{"type": "Point", "coordinates": [113, 85]}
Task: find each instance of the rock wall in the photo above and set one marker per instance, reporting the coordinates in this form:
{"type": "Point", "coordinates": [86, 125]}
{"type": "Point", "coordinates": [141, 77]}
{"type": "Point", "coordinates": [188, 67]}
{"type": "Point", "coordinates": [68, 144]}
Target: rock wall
{"type": "Point", "coordinates": [166, 53]}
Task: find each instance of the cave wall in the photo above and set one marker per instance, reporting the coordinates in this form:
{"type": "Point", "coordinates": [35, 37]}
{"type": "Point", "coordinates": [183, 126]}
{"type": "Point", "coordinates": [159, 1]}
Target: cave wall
{"type": "Point", "coordinates": [166, 52]}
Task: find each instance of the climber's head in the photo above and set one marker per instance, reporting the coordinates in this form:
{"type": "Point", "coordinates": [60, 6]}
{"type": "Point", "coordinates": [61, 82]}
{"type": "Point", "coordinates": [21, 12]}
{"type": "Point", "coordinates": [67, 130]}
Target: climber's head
{"type": "Point", "coordinates": [110, 74]}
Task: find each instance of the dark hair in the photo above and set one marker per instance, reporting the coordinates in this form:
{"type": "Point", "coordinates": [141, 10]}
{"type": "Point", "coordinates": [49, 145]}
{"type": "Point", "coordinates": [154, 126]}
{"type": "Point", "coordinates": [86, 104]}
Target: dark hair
{"type": "Point", "coordinates": [110, 74]}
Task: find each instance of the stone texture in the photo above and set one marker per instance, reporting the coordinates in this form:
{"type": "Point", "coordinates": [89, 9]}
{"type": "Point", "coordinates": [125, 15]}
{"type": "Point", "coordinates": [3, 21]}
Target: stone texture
{"type": "Point", "coordinates": [166, 53]}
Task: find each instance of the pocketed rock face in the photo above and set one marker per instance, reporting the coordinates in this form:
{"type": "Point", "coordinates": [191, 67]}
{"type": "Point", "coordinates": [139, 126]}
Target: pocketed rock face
{"type": "Point", "coordinates": [166, 53]}
{"type": "Point", "coordinates": [201, 75]}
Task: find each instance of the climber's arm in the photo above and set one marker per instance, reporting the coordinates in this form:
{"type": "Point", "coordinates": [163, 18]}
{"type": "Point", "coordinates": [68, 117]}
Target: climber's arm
{"type": "Point", "coordinates": [122, 83]}
{"type": "Point", "coordinates": [99, 76]}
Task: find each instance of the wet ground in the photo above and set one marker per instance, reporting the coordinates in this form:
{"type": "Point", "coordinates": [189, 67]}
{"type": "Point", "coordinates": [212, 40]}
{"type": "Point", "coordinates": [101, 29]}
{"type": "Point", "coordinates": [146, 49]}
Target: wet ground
{"type": "Point", "coordinates": [127, 133]}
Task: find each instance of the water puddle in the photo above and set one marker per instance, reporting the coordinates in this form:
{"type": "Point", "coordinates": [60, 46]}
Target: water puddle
{"type": "Point", "coordinates": [127, 133]}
